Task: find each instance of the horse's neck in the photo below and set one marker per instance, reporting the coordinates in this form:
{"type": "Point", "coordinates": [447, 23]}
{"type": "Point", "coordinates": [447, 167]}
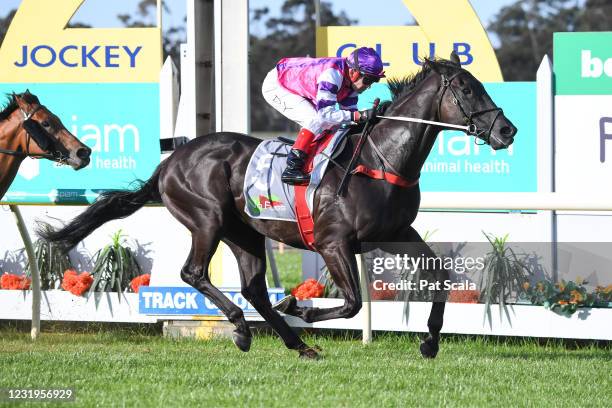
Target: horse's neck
{"type": "Point", "coordinates": [8, 164]}
{"type": "Point", "coordinates": [406, 145]}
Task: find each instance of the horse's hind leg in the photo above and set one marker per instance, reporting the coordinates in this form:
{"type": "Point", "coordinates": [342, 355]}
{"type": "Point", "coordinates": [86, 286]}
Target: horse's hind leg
{"type": "Point", "coordinates": [250, 253]}
{"type": "Point", "coordinates": [205, 230]}
{"type": "Point", "coordinates": [340, 261]}
{"type": "Point", "coordinates": [195, 273]}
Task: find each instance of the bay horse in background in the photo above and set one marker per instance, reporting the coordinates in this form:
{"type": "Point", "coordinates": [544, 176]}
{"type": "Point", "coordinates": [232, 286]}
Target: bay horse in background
{"type": "Point", "coordinates": [201, 184]}
{"type": "Point", "coordinates": [29, 129]}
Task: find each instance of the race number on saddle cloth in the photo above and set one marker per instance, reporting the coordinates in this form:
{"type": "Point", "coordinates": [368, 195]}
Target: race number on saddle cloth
{"type": "Point", "coordinates": [266, 196]}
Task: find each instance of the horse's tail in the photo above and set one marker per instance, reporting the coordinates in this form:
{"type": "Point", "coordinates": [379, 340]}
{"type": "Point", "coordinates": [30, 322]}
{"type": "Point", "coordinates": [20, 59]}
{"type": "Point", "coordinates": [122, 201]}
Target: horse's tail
{"type": "Point", "coordinates": [108, 206]}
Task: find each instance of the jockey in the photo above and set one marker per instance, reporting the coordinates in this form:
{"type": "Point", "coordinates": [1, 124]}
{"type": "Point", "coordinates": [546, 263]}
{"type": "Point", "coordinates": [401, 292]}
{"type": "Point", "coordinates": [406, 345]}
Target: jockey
{"type": "Point", "coordinates": [320, 94]}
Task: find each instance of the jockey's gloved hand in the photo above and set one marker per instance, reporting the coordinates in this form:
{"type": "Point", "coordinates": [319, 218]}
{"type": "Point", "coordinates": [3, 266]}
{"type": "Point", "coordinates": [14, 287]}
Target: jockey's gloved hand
{"type": "Point", "coordinates": [364, 115]}
{"type": "Point", "coordinates": [382, 107]}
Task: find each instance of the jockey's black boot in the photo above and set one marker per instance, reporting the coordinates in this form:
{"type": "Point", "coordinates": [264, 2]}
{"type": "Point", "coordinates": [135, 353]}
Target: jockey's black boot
{"type": "Point", "coordinates": [294, 173]}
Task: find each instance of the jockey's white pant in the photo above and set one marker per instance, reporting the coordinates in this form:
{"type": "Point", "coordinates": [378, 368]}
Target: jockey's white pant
{"type": "Point", "coordinates": [294, 107]}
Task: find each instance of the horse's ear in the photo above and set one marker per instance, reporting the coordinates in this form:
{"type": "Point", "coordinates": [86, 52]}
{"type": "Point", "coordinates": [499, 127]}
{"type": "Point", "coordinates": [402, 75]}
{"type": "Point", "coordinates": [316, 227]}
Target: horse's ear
{"type": "Point", "coordinates": [454, 58]}
{"type": "Point", "coordinates": [17, 98]}
{"type": "Point", "coordinates": [432, 65]}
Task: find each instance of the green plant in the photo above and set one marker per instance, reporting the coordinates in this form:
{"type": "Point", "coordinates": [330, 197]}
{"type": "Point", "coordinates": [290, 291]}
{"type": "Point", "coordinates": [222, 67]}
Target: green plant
{"type": "Point", "coordinates": [114, 266]}
{"type": "Point", "coordinates": [51, 263]}
{"type": "Point", "coordinates": [503, 275]}
{"type": "Point", "coordinates": [330, 290]}
{"type": "Point", "coordinates": [566, 297]}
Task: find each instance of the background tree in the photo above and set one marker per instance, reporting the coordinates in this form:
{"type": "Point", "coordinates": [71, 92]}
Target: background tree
{"type": "Point", "coordinates": [5, 22]}
{"type": "Point", "coordinates": [525, 30]}
{"type": "Point", "coordinates": [172, 36]}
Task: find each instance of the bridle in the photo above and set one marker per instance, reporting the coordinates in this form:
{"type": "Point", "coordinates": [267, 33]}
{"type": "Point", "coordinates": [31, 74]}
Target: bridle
{"type": "Point", "coordinates": [396, 178]}
{"type": "Point", "coordinates": [35, 131]}
{"type": "Point", "coordinates": [471, 128]}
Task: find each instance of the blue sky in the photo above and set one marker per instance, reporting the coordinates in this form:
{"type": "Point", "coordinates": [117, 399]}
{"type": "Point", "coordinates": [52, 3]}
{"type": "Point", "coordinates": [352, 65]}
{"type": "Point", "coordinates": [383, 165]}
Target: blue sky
{"type": "Point", "coordinates": [103, 13]}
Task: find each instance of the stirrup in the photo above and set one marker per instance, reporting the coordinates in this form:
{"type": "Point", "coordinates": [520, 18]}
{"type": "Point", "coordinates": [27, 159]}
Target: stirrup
{"type": "Point", "coordinates": [295, 177]}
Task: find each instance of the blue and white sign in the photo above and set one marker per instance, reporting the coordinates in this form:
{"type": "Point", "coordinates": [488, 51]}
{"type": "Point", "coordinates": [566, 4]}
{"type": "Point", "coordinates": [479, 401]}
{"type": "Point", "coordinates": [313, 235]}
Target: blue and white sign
{"type": "Point", "coordinates": [188, 301]}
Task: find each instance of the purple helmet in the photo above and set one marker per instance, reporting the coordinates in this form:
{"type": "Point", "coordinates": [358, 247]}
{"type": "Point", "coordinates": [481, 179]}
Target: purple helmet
{"type": "Point", "coordinates": [367, 61]}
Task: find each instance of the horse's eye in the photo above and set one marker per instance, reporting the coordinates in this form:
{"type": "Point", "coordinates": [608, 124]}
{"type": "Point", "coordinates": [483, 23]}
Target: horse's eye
{"type": "Point", "coordinates": [467, 91]}
{"type": "Point", "coordinates": [45, 123]}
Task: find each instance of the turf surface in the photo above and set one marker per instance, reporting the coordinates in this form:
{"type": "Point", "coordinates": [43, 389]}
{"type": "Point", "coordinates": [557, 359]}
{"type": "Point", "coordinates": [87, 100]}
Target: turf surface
{"type": "Point", "coordinates": [132, 368]}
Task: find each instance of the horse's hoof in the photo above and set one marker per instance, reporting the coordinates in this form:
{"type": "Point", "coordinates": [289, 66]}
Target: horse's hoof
{"type": "Point", "coordinates": [242, 341]}
{"type": "Point", "coordinates": [309, 353]}
{"type": "Point", "coordinates": [286, 304]}
{"type": "Point", "coordinates": [429, 348]}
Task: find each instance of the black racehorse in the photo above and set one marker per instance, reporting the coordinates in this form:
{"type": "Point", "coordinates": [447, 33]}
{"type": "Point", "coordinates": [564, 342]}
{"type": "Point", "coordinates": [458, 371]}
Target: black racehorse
{"type": "Point", "coordinates": [201, 184]}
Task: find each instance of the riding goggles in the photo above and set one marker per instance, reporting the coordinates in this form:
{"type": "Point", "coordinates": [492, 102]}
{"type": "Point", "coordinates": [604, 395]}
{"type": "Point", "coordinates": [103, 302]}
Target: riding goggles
{"type": "Point", "coordinates": [369, 79]}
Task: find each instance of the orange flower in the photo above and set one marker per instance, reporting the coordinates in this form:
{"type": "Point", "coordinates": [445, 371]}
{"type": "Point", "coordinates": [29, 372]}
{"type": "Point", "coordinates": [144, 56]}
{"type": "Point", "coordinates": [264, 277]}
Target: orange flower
{"type": "Point", "coordinates": [540, 287]}
{"type": "Point", "coordinates": [463, 296]}
{"type": "Point", "coordinates": [561, 286]}
{"type": "Point", "coordinates": [563, 302]}
{"type": "Point", "coordinates": [308, 289]}
{"type": "Point", "coordinates": [14, 282]}
{"type": "Point", "coordinates": [382, 294]}
{"type": "Point", "coordinates": [76, 284]}
{"type": "Point", "coordinates": [575, 297]}
{"type": "Point", "coordinates": [142, 280]}
{"type": "Point", "coordinates": [525, 285]}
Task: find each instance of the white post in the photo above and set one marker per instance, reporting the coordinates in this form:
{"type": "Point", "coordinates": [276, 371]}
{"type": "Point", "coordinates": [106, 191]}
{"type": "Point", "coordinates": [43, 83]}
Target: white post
{"type": "Point", "coordinates": [232, 66]}
{"type": "Point", "coordinates": [366, 305]}
{"type": "Point", "coordinates": [545, 146]}
{"type": "Point", "coordinates": [231, 90]}
{"type": "Point", "coordinates": [194, 111]}
{"type": "Point", "coordinates": [159, 13]}
{"type": "Point", "coordinates": [27, 242]}
{"type": "Point", "coordinates": [168, 99]}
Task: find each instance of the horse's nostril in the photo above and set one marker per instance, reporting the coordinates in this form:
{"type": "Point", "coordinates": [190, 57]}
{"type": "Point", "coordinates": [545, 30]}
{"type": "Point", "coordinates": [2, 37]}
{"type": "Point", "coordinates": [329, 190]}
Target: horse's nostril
{"type": "Point", "coordinates": [83, 153]}
{"type": "Point", "coordinates": [506, 131]}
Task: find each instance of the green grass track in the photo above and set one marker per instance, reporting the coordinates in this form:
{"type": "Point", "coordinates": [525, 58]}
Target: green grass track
{"type": "Point", "coordinates": [135, 368]}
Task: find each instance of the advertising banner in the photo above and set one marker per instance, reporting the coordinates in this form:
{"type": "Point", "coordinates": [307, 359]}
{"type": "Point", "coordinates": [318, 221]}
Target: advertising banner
{"type": "Point", "coordinates": [583, 63]}
{"type": "Point", "coordinates": [188, 301]}
{"type": "Point", "coordinates": [104, 86]}
{"type": "Point", "coordinates": [583, 110]}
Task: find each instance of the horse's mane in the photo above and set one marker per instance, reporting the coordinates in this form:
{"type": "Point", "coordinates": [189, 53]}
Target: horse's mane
{"type": "Point", "coordinates": [12, 104]}
{"type": "Point", "coordinates": [401, 87]}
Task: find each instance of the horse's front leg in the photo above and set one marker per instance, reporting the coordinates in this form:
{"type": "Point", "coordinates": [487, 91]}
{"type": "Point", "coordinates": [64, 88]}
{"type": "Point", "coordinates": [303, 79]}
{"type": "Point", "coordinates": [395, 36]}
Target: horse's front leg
{"type": "Point", "coordinates": [340, 261]}
{"type": "Point", "coordinates": [430, 345]}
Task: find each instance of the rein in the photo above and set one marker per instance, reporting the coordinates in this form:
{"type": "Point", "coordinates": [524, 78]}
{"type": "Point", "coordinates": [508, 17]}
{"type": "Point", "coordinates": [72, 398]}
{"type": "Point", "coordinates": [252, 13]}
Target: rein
{"type": "Point", "coordinates": [471, 128]}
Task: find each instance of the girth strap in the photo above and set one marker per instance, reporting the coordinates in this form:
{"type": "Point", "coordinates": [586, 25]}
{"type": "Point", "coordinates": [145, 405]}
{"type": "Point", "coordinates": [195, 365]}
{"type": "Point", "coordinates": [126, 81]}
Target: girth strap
{"type": "Point", "coordinates": [383, 175]}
